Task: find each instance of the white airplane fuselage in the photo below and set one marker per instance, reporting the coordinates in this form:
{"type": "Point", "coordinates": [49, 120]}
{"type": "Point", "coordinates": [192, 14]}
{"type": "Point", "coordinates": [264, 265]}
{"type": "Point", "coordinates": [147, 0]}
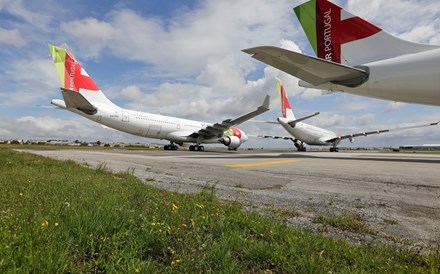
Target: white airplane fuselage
{"type": "Point", "coordinates": [412, 78]}
{"type": "Point", "coordinates": [147, 125]}
{"type": "Point", "coordinates": [309, 134]}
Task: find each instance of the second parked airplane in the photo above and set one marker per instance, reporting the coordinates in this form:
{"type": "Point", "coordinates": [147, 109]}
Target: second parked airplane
{"type": "Point", "coordinates": [308, 134]}
{"type": "Point", "coordinates": [82, 96]}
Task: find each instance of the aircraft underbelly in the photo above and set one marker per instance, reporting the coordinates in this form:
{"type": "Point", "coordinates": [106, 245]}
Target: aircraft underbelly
{"type": "Point", "coordinates": [305, 135]}
{"type": "Point", "coordinates": [414, 78]}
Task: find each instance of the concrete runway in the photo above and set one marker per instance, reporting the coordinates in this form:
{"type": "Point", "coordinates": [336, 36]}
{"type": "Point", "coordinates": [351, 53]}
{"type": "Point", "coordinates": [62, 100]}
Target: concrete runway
{"type": "Point", "coordinates": [395, 194]}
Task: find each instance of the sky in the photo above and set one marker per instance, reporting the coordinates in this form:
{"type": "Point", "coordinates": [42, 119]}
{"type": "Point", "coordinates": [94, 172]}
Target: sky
{"type": "Point", "coordinates": [185, 59]}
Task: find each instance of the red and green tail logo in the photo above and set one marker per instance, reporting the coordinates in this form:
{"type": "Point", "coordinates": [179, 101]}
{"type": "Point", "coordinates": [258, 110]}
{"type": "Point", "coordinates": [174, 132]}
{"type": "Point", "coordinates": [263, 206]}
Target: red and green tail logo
{"type": "Point", "coordinates": [327, 31]}
{"type": "Point", "coordinates": [70, 71]}
{"type": "Point", "coordinates": [283, 96]}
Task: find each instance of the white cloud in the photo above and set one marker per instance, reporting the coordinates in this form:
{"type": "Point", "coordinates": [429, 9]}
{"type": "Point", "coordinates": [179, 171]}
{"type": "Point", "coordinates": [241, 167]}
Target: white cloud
{"type": "Point", "coordinates": [12, 37]}
{"type": "Point", "coordinates": [25, 12]}
{"type": "Point", "coordinates": [412, 20]}
{"type": "Point", "coordinates": [393, 106]}
{"type": "Point", "coordinates": [189, 40]}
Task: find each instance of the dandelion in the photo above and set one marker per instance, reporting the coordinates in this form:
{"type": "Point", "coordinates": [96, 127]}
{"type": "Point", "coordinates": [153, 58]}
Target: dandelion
{"type": "Point", "coordinates": [56, 224]}
{"type": "Point", "coordinates": [193, 222]}
{"type": "Point", "coordinates": [183, 225]}
{"type": "Point", "coordinates": [21, 193]}
{"type": "Point", "coordinates": [174, 207]}
{"type": "Point", "coordinates": [177, 261]}
{"type": "Point", "coordinates": [137, 270]}
{"type": "Point", "coordinates": [44, 224]}
{"type": "Point", "coordinates": [200, 206]}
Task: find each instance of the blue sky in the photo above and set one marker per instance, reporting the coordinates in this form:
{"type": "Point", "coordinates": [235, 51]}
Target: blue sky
{"type": "Point", "coordinates": [183, 58]}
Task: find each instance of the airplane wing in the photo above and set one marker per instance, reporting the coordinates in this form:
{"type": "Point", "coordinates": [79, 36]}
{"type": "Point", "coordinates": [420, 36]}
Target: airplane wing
{"type": "Point", "coordinates": [358, 134]}
{"type": "Point", "coordinates": [313, 70]}
{"type": "Point", "coordinates": [217, 129]}
{"type": "Point", "coordinates": [74, 99]}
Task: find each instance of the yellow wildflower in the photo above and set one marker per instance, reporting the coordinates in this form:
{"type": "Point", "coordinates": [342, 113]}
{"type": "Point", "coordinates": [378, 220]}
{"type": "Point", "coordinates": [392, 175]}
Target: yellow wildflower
{"type": "Point", "coordinates": [174, 207]}
{"type": "Point", "coordinates": [45, 223]}
{"type": "Point", "coordinates": [137, 270]}
{"type": "Point", "coordinates": [21, 193]}
{"type": "Point", "coordinates": [56, 224]}
{"type": "Point", "coordinates": [200, 206]}
{"type": "Point", "coordinates": [184, 225]}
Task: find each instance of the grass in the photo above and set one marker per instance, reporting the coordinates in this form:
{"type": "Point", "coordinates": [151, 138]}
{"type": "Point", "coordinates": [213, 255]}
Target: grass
{"type": "Point", "coordinates": [59, 216]}
{"type": "Point", "coordinates": [348, 221]}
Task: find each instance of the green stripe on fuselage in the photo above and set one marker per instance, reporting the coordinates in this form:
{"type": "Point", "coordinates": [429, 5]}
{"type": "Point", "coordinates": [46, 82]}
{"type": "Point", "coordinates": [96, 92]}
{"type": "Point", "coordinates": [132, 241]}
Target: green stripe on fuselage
{"type": "Point", "coordinates": [306, 14]}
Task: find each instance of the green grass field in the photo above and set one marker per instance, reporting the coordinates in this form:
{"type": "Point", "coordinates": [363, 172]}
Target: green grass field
{"type": "Point", "coordinates": [61, 217]}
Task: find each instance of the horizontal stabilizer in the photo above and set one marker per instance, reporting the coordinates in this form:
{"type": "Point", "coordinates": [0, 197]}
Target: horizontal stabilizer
{"type": "Point", "coordinates": [310, 69]}
{"type": "Point", "coordinates": [293, 123]}
{"type": "Point", "coordinates": [74, 99]}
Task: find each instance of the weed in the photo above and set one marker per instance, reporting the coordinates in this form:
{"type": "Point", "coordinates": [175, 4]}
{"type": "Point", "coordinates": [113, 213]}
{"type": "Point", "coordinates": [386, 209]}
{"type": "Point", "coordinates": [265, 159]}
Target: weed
{"type": "Point", "coordinates": [349, 221]}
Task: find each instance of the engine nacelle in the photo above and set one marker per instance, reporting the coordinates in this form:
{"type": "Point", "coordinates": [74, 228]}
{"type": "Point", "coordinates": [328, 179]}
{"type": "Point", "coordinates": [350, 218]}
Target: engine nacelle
{"type": "Point", "coordinates": [232, 142]}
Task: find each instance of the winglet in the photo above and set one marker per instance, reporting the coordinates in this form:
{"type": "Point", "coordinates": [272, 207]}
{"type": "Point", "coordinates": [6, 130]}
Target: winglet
{"type": "Point", "coordinates": [266, 102]}
{"type": "Point", "coordinates": [261, 109]}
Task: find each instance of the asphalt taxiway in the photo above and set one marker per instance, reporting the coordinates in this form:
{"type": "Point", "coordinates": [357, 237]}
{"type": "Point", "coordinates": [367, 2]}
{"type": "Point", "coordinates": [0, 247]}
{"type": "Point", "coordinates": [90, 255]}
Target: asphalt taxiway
{"type": "Point", "coordinates": [396, 194]}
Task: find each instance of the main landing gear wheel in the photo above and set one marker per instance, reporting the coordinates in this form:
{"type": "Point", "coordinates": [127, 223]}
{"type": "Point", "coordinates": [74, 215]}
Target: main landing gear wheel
{"type": "Point", "coordinates": [334, 149]}
{"type": "Point", "coordinates": [196, 148]}
{"type": "Point", "coordinates": [299, 146]}
{"type": "Point", "coordinates": [170, 147]}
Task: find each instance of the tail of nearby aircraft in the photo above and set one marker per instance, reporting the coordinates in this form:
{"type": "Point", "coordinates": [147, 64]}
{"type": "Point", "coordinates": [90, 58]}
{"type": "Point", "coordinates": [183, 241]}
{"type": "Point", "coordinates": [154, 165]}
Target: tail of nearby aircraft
{"type": "Point", "coordinates": [286, 109]}
{"type": "Point", "coordinates": [339, 36]}
{"type": "Point", "coordinates": [285, 105]}
{"type": "Point", "coordinates": [78, 88]}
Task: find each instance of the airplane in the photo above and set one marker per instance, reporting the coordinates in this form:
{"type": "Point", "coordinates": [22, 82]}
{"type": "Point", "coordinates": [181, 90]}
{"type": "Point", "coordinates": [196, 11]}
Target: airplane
{"type": "Point", "coordinates": [312, 135]}
{"type": "Point", "coordinates": [357, 57]}
{"type": "Point", "coordinates": [82, 96]}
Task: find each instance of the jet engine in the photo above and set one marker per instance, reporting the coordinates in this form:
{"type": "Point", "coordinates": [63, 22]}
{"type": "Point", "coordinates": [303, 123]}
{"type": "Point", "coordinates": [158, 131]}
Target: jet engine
{"type": "Point", "coordinates": [232, 142]}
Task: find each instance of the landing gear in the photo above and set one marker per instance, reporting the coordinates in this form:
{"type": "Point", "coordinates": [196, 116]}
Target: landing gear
{"type": "Point", "coordinates": [196, 148]}
{"type": "Point", "coordinates": [299, 145]}
{"type": "Point", "coordinates": [334, 149]}
{"type": "Point", "coordinates": [171, 146]}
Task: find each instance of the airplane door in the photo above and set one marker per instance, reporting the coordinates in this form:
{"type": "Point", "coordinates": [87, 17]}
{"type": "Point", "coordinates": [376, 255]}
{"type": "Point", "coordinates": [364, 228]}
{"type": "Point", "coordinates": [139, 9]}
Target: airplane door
{"type": "Point", "coordinates": [125, 116]}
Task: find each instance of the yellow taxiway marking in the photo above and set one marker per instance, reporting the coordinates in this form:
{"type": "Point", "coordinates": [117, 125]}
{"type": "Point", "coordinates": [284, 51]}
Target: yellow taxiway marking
{"type": "Point", "coordinates": [263, 163]}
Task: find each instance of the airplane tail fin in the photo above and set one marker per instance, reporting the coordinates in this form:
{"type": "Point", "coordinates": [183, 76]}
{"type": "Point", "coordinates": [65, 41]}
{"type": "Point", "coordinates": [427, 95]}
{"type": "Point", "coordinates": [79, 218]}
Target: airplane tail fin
{"type": "Point", "coordinates": [339, 36]}
{"type": "Point", "coordinates": [74, 79]}
{"type": "Point", "coordinates": [285, 105]}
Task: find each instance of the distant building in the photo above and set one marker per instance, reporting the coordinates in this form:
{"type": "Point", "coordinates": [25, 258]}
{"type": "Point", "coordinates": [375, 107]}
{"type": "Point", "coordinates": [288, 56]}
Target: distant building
{"type": "Point", "coordinates": [421, 147]}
